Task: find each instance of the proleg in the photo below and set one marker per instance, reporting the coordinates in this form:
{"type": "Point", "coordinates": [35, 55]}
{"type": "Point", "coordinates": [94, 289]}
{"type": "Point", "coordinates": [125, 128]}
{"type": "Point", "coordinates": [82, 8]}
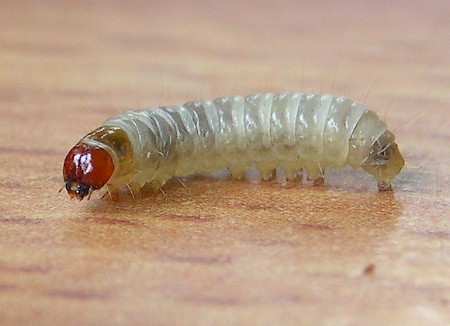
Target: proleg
{"type": "Point", "coordinates": [295, 131]}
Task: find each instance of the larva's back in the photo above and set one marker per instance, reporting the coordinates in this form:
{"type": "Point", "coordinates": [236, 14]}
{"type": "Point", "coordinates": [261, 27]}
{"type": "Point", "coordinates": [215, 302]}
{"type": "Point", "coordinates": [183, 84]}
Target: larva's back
{"type": "Point", "coordinates": [296, 130]}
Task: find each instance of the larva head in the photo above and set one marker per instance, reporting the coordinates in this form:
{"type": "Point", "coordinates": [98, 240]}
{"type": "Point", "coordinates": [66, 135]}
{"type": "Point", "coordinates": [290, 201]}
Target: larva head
{"type": "Point", "coordinates": [86, 168]}
{"type": "Point", "coordinates": [385, 160]}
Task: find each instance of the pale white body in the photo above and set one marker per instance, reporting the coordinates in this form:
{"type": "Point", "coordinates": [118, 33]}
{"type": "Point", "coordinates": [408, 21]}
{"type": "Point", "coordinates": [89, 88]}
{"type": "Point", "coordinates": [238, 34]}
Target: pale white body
{"type": "Point", "coordinates": [310, 131]}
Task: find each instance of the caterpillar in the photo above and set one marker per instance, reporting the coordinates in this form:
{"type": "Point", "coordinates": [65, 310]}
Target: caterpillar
{"type": "Point", "coordinates": [295, 131]}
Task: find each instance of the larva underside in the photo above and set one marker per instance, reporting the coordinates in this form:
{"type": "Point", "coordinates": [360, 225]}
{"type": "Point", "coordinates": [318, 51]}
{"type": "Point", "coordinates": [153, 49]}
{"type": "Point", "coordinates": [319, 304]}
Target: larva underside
{"type": "Point", "coordinates": [294, 131]}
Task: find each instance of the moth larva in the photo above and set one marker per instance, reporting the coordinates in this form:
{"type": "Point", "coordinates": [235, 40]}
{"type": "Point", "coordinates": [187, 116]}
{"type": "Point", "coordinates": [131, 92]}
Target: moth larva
{"type": "Point", "coordinates": [294, 131]}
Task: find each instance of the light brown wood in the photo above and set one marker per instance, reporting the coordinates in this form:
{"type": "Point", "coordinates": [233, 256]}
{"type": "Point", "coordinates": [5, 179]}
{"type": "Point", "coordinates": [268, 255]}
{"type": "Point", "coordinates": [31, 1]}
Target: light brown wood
{"type": "Point", "coordinates": [223, 251]}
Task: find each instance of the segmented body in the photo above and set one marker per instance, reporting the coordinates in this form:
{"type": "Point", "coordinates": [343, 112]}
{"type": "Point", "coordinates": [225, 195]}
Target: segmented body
{"type": "Point", "coordinates": [295, 130]}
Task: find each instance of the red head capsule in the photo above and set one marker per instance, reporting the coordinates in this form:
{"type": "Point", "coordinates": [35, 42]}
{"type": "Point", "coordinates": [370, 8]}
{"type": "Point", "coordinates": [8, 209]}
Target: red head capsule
{"type": "Point", "coordinates": [86, 168]}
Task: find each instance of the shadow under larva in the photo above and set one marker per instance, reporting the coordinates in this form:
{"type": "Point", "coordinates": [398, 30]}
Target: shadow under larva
{"type": "Point", "coordinates": [303, 134]}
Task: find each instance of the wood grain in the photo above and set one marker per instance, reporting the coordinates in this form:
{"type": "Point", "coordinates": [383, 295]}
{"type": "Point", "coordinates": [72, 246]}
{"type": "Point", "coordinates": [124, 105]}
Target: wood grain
{"type": "Point", "coordinates": [223, 251]}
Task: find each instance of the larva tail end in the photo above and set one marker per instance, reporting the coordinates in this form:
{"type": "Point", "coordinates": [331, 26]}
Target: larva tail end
{"type": "Point", "coordinates": [385, 161]}
{"type": "Point", "coordinates": [384, 186]}
{"type": "Point", "coordinates": [86, 168]}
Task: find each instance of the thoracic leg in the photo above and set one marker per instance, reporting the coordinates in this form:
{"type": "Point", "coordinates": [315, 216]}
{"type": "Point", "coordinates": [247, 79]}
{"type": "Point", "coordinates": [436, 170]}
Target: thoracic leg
{"type": "Point", "coordinates": [156, 184]}
{"type": "Point", "coordinates": [135, 189]}
{"type": "Point", "coordinates": [113, 192]}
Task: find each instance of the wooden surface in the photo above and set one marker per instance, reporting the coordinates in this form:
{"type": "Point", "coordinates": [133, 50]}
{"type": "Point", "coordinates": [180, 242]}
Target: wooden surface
{"type": "Point", "coordinates": [223, 252]}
